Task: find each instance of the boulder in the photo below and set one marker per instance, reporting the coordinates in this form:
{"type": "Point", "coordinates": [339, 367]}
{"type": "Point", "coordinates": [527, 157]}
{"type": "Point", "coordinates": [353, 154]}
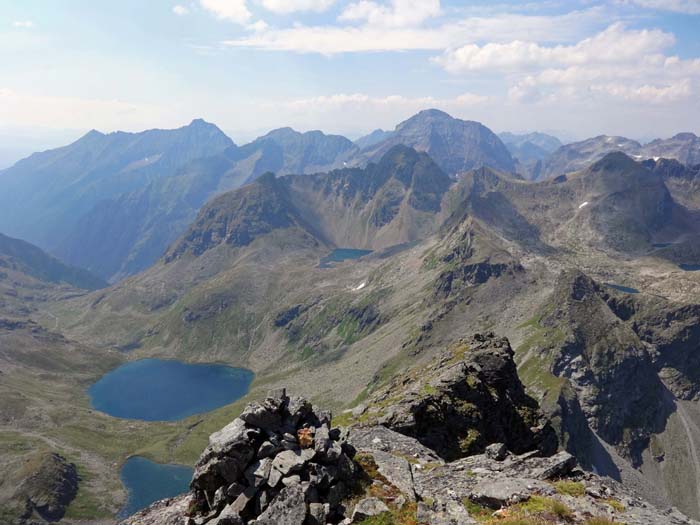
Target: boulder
{"type": "Point", "coordinates": [367, 508]}
{"type": "Point", "coordinates": [288, 508]}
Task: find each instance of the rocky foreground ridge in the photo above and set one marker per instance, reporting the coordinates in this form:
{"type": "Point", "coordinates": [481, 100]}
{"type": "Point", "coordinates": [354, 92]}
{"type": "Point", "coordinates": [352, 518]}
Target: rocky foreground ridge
{"type": "Point", "coordinates": [454, 442]}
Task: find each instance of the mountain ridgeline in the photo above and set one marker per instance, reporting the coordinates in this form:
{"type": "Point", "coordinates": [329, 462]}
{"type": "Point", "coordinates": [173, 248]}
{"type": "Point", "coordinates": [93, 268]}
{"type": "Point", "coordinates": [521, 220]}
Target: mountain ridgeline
{"type": "Point", "coordinates": [385, 204]}
{"type": "Point", "coordinates": [113, 203]}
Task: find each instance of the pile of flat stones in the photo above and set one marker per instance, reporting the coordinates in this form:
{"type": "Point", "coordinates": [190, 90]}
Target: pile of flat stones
{"type": "Point", "coordinates": [280, 462]}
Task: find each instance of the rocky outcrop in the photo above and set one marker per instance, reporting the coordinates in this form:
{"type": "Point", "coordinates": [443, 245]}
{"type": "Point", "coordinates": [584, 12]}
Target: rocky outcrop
{"type": "Point", "coordinates": [467, 398]}
{"type": "Point", "coordinates": [282, 463]}
{"type": "Point", "coordinates": [450, 281]}
{"type": "Point", "coordinates": [51, 485]}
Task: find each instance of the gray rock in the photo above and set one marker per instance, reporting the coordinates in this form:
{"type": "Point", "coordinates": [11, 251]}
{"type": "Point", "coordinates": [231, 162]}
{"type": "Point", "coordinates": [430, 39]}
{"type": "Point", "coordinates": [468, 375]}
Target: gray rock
{"type": "Point", "coordinates": [367, 508]}
{"type": "Point", "coordinates": [291, 480]}
{"type": "Point", "coordinates": [382, 438]}
{"type": "Point", "coordinates": [268, 449]}
{"type": "Point", "coordinates": [241, 502]}
{"type": "Point", "coordinates": [228, 516]}
{"type": "Point", "coordinates": [556, 466]}
{"type": "Point", "coordinates": [504, 491]}
{"type": "Point", "coordinates": [299, 409]}
{"type": "Point", "coordinates": [444, 513]}
{"type": "Point", "coordinates": [318, 512]}
{"type": "Point", "coordinates": [288, 508]}
{"type": "Point", "coordinates": [322, 439]}
{"type": "Point", "coordinates": [397, 471]}
{"type": "Point", "coordinates": [497, 451]}
{"type": "Point", "coordinates": [234, 490]}
{"type": "Point", "coordinates": [261, 416]}
{"type": "Point", "coordinates": [258, 472]}
{"type": "Point", "coordinates": [287, 462]}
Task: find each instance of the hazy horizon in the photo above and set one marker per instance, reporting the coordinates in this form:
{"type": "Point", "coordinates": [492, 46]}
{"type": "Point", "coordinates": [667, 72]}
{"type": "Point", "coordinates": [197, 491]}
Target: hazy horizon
{"type": "Point", "coordinates": [620, 67]}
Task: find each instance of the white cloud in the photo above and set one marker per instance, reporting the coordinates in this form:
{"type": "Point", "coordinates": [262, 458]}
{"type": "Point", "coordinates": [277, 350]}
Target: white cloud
{"type": "Point", "coordinates": [232, 10]}
{"type": "Point", "coordinates": [258, 26]}
{"type": "Point", "coordinates": [356, 100]}
{"type": "Point", "coordinates": [23, 24]}
{"type": "Point", "coordinates": [180, 10]}
{"type": "Point", "coordinates": [291, 6]}
{"type": "Point", "coordinates": [399, 13]}
{"type": "Point", "coordinates": [615, 44]}
{"type": "Point", "coordinates": [691, 7]}
{"type": "Point", "coordinates": [646, 93]}
{"type": "Point", "coordinates": [329, 40]}
{"type": "Point", "coordinates": [615, 64]}
{"type": "Point", "coordinates": [79, 113]}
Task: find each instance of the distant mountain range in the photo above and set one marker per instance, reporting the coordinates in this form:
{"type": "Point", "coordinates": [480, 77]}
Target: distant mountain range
{"type": "Point", "coordinates": [113, 203]}
{"type": "Point", "coordinates": [684, 147]}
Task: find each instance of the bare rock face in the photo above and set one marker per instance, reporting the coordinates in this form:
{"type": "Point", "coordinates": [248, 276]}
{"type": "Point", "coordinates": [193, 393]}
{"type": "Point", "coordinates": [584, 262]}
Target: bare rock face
{"type": "Point", "coordinates": [466, 399]}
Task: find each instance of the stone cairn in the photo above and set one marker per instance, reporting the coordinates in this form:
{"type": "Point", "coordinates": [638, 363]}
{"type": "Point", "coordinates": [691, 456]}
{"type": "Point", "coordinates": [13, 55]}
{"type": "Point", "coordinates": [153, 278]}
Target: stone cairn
{"type": "Point", "coordinates": [278, 462]}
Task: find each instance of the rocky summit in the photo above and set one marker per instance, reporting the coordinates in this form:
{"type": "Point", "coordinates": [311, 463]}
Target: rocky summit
{"type": "Point", "coordinates": [281, 462]}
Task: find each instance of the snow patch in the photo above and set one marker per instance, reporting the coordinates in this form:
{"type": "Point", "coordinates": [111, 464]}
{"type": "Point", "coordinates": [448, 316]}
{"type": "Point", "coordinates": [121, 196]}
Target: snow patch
{"type": "Point", "coordinates": [583, 205]}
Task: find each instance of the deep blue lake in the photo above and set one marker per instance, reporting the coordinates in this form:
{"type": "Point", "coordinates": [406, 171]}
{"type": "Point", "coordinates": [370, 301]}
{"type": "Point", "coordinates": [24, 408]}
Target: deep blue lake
{"type": "Point", "coordinates": [690, 267]}
{"type": "Point", "coordinates": [148, 482]}
{"type": "Point", "coordinates": [342, 254]}
{"type": "Point", "coordinates": [165, 390]}
{"type": "Point", "coordinates": [621, 288]}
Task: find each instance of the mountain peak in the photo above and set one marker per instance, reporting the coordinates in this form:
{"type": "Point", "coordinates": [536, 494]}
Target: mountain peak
{"type": "Point", "coordinates": [93, 134]}
{"type": "Point", "coordinates": [687, 135]}
{"type": "Point", "coordinates": [614, 161]}
{"type": "Point", "coordinates": [200, 122]}
{"type": "Point", "coordinates": [434, 114]}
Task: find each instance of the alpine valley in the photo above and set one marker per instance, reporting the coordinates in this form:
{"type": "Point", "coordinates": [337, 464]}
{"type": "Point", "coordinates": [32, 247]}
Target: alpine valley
{"type": "Point", "coordinates": [503, 325]}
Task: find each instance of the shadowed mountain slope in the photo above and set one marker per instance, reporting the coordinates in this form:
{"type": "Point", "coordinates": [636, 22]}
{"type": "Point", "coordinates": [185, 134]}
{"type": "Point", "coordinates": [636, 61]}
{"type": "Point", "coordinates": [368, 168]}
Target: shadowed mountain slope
{"type": "Point", "coordinates": [142, 223]}
{"type": "Point", "coordinates": [20, 256]}
{"type": "Point", "coordinates": [45, 194]}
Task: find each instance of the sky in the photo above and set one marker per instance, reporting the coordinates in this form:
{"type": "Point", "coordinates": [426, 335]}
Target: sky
{"type": "Point", "coordinates": [575, 68]}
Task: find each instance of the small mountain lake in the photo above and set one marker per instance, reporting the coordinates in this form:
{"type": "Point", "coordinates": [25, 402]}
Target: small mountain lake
{"type": "Point", "coordinates": [148, 482]}
{"type": "Point", "coordinates": [167, 390]}
{"type": "Point", "coordinates": [690, 267]}
{"type": "Point", "coordinates": [620, 288]}
{"type": "Point", "coordinates": [340, 255]}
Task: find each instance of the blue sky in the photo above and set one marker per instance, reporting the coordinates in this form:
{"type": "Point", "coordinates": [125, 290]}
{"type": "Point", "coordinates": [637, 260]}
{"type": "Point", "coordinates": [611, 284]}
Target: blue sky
{"type": "Point", "coordinates": [578, 68]}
